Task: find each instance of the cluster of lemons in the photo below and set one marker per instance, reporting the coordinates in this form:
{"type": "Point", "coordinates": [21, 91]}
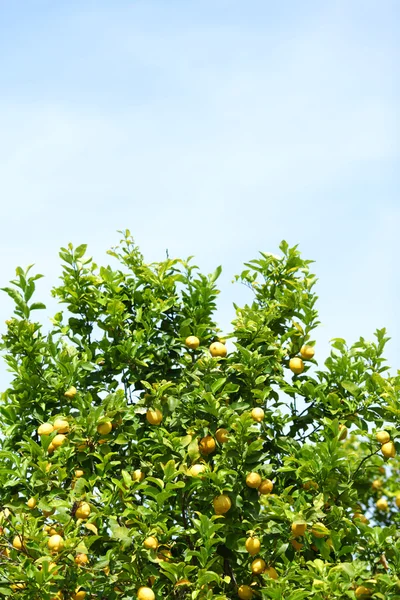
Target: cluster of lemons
{"type": "Point", "coordinates": [56, 542]}
{"type": "Point", "coordinates": [56, 545]}
{"type": "Point", "coordinates": [387, 446]}
{"type": "Point", "coordinates": [222, 503]}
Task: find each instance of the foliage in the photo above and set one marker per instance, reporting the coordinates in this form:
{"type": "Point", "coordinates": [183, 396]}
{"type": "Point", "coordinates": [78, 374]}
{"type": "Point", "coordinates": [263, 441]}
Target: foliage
{"type": "Point", "coordinates": [116, 350]}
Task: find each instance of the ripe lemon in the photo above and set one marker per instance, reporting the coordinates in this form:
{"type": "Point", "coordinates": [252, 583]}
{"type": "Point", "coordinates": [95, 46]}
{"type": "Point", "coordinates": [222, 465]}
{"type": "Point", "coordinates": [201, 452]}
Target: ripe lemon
{"type": "Point", "coordinates": [245, 592]}
{"type": "Point", "coordinates": [183, 582]}
{"type": "Point", "coordinates": [137, 475]}
{"type": "Point", "coordinates": [196, 470]}
{"type": "Point", "coordinates": [192, 342]}
{"type": "Point", "coordinates": [83, 511]}
{"type": "Point", "coordinates": [165, 555]}
{"type": "Point", "coordinates": [257, 414]}
{"type": "Point", "coordinates": [271, 572]}
{"type": "Point", "coordinates": [318, 530]}
{"type": "Point", "coordinates": [382, 437]}
{"type": "Point", "coordinates": [18, 542]}
{"type": "Point", "coordinates": [307, 352]}
{"type": "Point", "coordinates": [359, 516]}
{"type": "Point", "coordinates": [296, 365]}
{"type": "Point", "coordinates": [79, 473]}
{"type": "Point", "coordinates": [388, 450]}
{"type": "Point", "coordinates": [253, 480]}
{"type": "Point", "coordinates": [382, 504]}
{"type": "Point", "coordinates": [61, 425]}
{"type": "Point", "coordinates": [266, 486]}
{"type": "Point", "coordinates": [154, 416]}
{"type": "Point", "coordinates": [222, 435]}
{"type": "Point", "coordinates": [32, 502]}
{"type": "Point", "coordinates": [299, 528]}
{"type": "Point", "coordinates": [253, 545]}
{"type": "Point", "coordinates": [217, 349]}
{"type": "Point", "coordinates": [151, 543]}
{"type": "Point", "coordinates": [296, 545]}
{"type": "Point", "coordinates": [18, 586]}
{"type": "Point", "coordinates": [71, 392]}
{"type": "Point", "coordinates": [207, 445]}
{"type": "Point", "coordinates": [81, 559]}
{"type": "Point", "coordinates": [58, 440]}
{"type": "Point", "coordinates": [50, 449]}
{"type": "Point", "coordinates": [79, 595]}
{"type": "Point", "coordinates": [104, 428]}
{"type": "Point", "coordinates": [258, 566]}
{"type": "Point", "coordinates": [363, 592]}
{"type": "Point", "coordinates": [55, 529]}
{"type": "Point", "coordinates": [45, 429]}
{"type": "Point", "coordinates": [55, 543]}
{"type": "Point", "coordinates": [145, 593]}
{"type": "Point", "coordinates": [222, 504]}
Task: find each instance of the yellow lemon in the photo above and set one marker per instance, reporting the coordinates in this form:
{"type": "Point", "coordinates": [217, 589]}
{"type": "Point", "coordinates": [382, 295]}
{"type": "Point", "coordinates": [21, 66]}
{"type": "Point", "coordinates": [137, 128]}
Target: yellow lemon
{"type": "Point", "coordinates": [18, 542]}
{"type": "Point", "coordinates": [388, 450]}
{"type": "Point", "coordinates": [145, 593]}
{"type": "Point", "coordinates": [45, 429]}
{"type": "Point", "coordinates": [81, 559]}
{"type": "Point", "coordinates": [58, 440]}
{"type": "Point", "coordinates": [61, 425]}
{"type": "Point", "coordinates": [258, 566]}
{"type": "Point", "coordinates": [137, 475]}
{"type": "Point", "coordinates": [296, 365]}
{"type": "Point", "coordinates": [245, 592]}
{"type": "Point", "coordinates": [217, 349]}
{"type": "Point", "coordinates": [71, 392]}
{"type": "Point", "coordinates": [222, 435]}
{"type": "Point", "coordinates": [363, 592]}
{"type": "Point", "coordinates": [154, 416]}
{"type": "Point", "coordinates": [253, 480]}
{"type": "Point", "coordinates": [307, 352]}
{"type": "Point", "coordinates": [299, 528]}
{"type": "Point", "coordinates": [266, 486]}
{"type": "Point", "coordinates": [271, 572]}
{"type": "Point", "coordinates": [55, 543]}
{"type": "Point", "coordinates": [83, 511]}
{"type": "Point", "coordinates": [196, 470]}
{"type": "Point", "coordinates": [207, 445]}
{"type": "Point", "coordinates": [253, 545]}
{"type": "Point", "coordinates": [192, 342]}
{"type": "Point", "coordinates": [151, 543]}
{"type": "Point", "coordinates": [382, 437]}
{"type": "Point", "coordinates": [382, 504]}
{"type": "Point", "coordinates": [257, 414]}
{"type": "Point", "coordinates": [104, 428]}
{"type": "Point", "coordinates": [222, 504]}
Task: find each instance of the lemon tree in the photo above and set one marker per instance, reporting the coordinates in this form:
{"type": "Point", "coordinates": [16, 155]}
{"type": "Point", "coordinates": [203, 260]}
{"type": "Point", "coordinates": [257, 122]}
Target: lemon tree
{"type": "Point", "coordinates": [144, 455]}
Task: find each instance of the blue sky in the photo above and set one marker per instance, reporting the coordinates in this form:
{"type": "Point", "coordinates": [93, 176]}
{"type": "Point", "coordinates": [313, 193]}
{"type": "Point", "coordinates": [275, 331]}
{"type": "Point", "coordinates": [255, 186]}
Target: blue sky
{"type": "Point", "coordinates": [214, 128]}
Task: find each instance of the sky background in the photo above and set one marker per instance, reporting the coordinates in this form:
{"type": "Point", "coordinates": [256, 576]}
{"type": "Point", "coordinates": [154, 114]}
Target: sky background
{"type": "Point", "coordinates": [208, 127]}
